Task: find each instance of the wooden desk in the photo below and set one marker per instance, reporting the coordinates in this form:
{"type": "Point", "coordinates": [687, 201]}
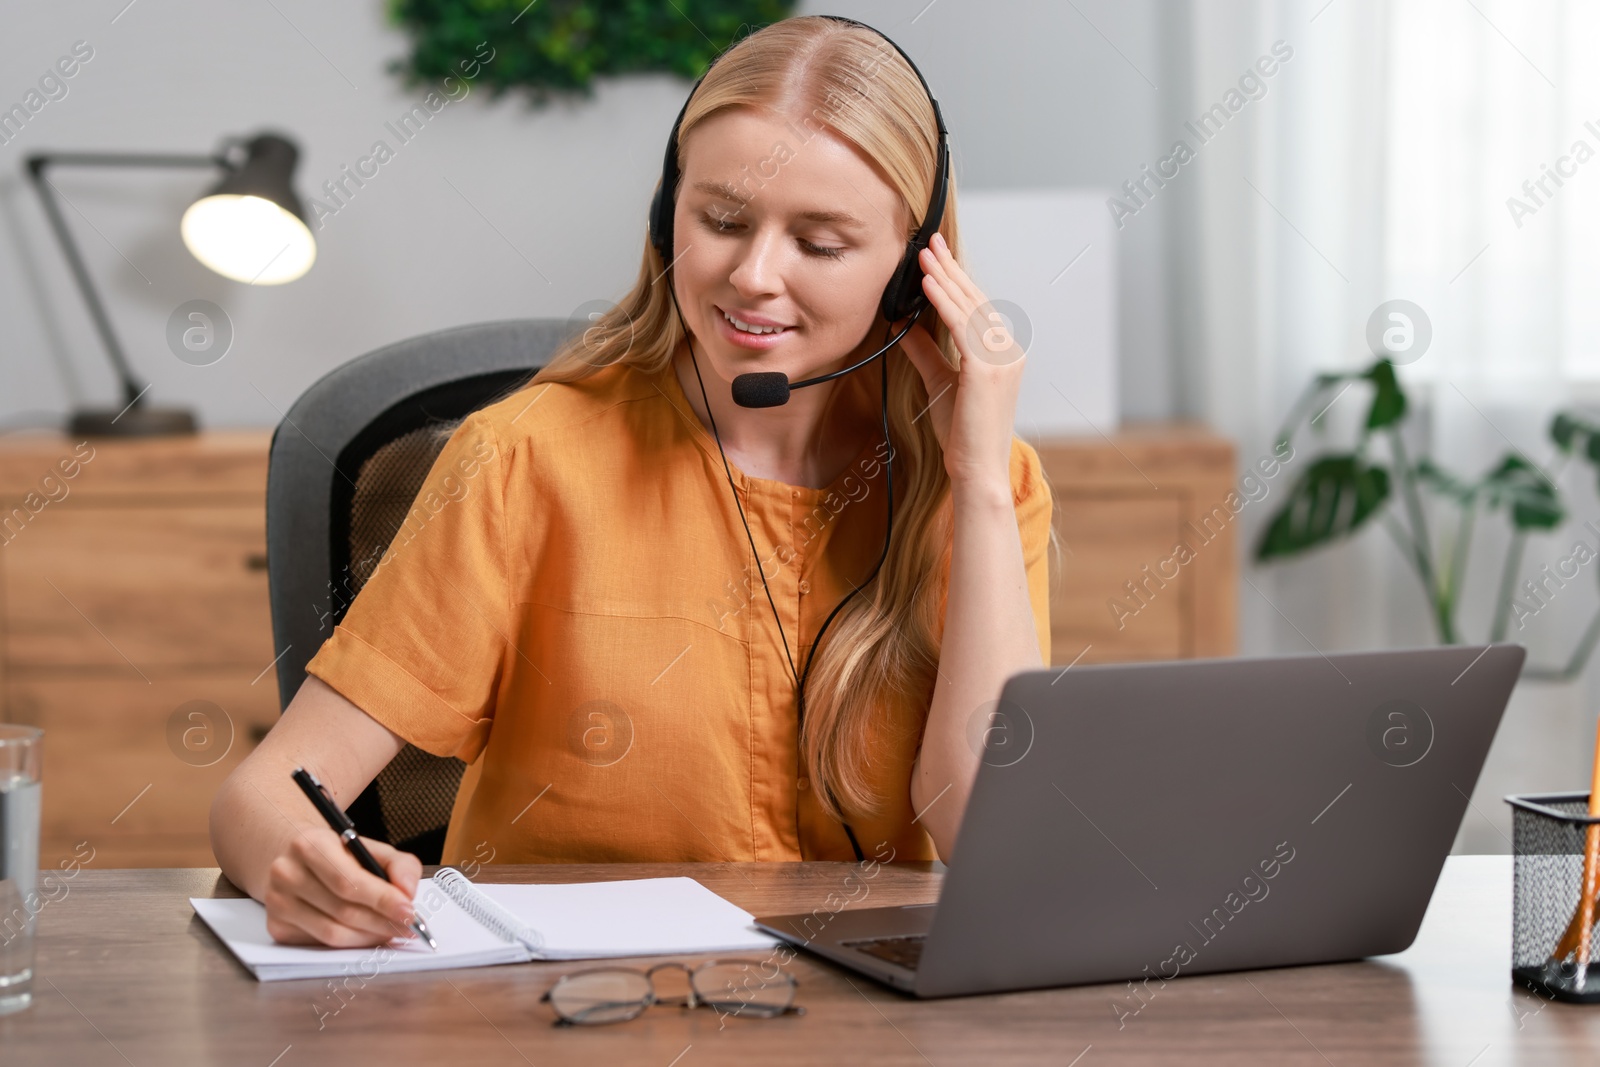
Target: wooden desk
{"type": "Point", "coordinates": [127, 974]}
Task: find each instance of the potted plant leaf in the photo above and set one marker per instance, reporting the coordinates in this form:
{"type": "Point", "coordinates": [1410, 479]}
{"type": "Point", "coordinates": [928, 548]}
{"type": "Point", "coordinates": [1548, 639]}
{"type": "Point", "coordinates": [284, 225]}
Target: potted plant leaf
{"type": "Point", "coordinates": [1377, 479]}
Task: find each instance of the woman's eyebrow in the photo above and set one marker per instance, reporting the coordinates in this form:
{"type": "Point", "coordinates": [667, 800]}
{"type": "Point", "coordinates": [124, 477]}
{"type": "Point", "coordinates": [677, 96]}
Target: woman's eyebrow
{"type": "Point", "coordinates": [722, 189]}
{"type": "Point", "coordinates": [841, 218]}
{"type": "Point", "coordinates": [727, 192]}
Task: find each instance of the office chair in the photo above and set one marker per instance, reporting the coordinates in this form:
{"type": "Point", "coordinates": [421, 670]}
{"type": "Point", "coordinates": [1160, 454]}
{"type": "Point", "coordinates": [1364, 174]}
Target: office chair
{"type": "Point", "coordinates": [346, 462]}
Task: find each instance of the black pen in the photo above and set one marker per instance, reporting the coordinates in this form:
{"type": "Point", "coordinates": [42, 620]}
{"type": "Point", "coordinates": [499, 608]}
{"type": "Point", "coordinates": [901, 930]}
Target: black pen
{"type": "Point", "coordinates": [323, 802]}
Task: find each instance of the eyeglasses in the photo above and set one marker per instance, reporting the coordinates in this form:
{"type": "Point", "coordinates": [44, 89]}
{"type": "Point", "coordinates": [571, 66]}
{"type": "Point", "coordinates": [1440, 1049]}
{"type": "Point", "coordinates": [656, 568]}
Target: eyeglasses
{"type": "Point", "coordinates": [617, 994]}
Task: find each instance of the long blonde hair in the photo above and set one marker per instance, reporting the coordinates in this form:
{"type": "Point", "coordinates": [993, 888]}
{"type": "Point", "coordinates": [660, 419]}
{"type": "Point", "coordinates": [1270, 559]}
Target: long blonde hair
{"type": "Point", "coordinates": [884, 646]}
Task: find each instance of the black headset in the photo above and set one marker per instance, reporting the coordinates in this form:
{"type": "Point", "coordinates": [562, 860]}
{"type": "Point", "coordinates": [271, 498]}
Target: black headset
{"type": "Point", "coordinates": [902, 298]}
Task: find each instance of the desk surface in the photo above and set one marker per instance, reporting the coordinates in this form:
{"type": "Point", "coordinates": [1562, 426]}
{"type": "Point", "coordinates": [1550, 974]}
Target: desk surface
{"type": "Point", "coordinates": [128, 975]}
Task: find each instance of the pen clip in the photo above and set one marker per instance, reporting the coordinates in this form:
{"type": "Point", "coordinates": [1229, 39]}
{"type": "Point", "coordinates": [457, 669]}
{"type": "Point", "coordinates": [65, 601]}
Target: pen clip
{"type": "Point", "coordinates": [317, 783]}
{"type": "Point", "coordinates": [333, 809]}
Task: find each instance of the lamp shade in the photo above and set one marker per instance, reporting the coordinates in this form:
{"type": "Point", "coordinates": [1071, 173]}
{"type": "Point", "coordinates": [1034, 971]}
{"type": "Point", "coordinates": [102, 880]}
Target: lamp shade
{"type": "Point", "coordinates": [251, 227]}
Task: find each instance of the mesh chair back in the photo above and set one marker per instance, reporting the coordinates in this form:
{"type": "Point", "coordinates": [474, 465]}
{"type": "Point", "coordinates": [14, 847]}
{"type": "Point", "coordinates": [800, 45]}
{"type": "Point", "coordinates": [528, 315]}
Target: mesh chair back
{"type": "Point", "coordinates": [346, 464]}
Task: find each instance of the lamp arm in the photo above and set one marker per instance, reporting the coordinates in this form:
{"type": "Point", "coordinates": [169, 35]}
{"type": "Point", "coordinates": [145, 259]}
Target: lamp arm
{"type": "Point", "coordinates": [69, 248]}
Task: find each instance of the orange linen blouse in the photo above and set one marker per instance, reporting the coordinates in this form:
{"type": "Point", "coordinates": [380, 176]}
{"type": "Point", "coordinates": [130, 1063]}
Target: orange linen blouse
{"type": "Point", "coordinates": [567, 609]}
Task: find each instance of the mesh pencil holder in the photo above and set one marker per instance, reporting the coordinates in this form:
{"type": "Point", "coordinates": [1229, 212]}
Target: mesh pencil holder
{"type": "Point", "coordinates": [1548, 832]}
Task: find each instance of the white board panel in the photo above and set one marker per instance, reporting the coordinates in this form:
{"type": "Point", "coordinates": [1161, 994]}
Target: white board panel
{"type": "Point", "coordinates": [1050, 252]}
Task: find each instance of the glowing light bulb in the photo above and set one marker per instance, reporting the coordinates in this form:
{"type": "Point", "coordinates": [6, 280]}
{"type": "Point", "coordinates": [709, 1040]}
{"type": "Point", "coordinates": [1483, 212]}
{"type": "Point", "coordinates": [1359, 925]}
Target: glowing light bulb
{"type": "Point", "coordinates": [248, 239]}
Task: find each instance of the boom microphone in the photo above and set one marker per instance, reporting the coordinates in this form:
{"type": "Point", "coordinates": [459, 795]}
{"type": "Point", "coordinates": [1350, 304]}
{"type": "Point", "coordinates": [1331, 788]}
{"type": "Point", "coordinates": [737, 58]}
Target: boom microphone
{"type": "Point", "coordinates": [771, 388]}
{"type": "Point", "coordinates": [761, 389]}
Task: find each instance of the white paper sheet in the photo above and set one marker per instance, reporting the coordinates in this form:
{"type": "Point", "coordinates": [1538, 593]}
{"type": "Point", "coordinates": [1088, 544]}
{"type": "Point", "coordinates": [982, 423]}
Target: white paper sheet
{"type": "Point", "coordinates": [637, 917]}
{"type": "Point", "coordinates": [242, 924]}
{"type": "Point", "coordinates": [587, 920]}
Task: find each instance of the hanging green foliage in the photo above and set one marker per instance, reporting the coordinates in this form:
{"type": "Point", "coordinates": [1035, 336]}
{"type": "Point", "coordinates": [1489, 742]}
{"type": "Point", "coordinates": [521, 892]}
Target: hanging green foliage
{"type": "Point", "coordinates": [558, 47]}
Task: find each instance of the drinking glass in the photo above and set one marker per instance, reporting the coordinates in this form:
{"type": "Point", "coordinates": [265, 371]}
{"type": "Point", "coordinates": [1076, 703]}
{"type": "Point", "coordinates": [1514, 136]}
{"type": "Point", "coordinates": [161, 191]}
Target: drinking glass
{"type": "Point", "coordinates": [20, 748]}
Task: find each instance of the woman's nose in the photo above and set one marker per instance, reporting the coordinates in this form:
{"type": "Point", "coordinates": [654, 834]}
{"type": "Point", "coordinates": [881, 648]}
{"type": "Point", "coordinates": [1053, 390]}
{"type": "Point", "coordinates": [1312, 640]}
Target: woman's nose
{"type": "Point", "coordinates": [756, 271]}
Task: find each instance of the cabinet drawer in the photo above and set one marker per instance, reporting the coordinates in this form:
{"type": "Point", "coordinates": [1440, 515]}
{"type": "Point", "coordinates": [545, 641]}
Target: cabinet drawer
{"type": "Point", "coordinates": [130, 589]}
{"type": "Point", "coordinates": [1106, 541]}
{"type": "Point", "coordinates": [131, 767]}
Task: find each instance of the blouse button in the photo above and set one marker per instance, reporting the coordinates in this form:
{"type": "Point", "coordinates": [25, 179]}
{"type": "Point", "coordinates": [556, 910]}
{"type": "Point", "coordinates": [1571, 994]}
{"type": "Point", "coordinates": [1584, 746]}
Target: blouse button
{"type": "Point", "coordinates": [803, 784]}
{"type": "Point", "coordinates": [805, 586]}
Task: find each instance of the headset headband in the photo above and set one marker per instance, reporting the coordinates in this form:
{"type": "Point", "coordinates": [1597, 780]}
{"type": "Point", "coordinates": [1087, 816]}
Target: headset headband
{"type": "Point", "coordinates": [903, 296]}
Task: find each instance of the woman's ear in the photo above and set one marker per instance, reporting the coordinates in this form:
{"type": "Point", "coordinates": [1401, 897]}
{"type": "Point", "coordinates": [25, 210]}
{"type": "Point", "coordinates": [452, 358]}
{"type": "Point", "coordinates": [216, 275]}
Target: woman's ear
{"type": "Point", "coordinates": [922, 349]}
{"type": "Point", "coordinates": [929, 325]}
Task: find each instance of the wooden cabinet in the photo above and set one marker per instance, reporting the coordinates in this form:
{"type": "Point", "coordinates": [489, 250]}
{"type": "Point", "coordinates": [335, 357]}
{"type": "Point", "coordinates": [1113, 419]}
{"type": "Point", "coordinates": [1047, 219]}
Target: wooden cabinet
{"type": "Point", "coordinates": [1123, 505]}
{"type": "Point", "coordinates": [136, 632]}
{"type": "Point", "coordinates": [135, 627]}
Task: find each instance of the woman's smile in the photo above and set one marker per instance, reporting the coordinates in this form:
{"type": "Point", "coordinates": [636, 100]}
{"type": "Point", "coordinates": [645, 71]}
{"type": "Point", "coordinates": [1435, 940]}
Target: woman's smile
{"type": "Point", "coordinates": [743, 334]}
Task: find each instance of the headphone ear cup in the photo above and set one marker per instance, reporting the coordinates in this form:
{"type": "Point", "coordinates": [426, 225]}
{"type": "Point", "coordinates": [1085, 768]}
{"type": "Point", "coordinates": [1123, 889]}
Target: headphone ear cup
{"type": "Point", "coordinates": [658, 233]}
{"type": "Point", "coordinates": [903, 295]}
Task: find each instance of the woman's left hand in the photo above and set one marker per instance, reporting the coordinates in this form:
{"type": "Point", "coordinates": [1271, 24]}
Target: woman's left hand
{"type": "Point", "coordinates": [973, 407]}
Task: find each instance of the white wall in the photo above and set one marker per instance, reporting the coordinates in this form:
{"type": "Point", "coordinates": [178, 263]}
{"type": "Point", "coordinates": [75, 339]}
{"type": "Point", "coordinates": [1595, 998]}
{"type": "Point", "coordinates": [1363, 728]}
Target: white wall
{"type": "Point", "coordinates": [1034, 94]}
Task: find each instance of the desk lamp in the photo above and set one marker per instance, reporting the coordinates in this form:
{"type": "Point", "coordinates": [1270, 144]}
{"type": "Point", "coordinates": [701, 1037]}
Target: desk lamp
{"type": "Point", "coordinates": [250, 227]}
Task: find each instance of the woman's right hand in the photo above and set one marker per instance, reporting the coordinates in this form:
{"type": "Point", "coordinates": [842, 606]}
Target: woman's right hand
{"type": "Point", "coordinates": [317, 893]}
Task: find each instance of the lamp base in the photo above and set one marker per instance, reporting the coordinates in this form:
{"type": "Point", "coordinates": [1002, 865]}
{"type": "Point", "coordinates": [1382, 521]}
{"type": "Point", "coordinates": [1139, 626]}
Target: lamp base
{"type": "Point", "coordinates": [135, 421]}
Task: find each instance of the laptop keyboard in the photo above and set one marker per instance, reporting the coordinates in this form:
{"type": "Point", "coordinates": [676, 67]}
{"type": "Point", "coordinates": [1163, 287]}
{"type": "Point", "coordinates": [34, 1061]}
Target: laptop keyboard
{"type": "Point", "coordinates": [905, 951]}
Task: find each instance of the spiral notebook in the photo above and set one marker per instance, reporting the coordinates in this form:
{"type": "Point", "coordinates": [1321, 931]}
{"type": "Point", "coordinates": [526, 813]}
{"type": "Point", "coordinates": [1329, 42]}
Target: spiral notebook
{"type": "Point", "coordinates": [479, 925]}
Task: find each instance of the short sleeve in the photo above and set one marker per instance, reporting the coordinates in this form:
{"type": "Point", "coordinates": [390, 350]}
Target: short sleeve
{"type": "Point", "coordinates": [422, 646]}
{"type": "Point", "coordinates": [1032, 499]}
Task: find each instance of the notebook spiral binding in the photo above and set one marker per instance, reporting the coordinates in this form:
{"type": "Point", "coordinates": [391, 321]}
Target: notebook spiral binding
{"type": "Point", "coordinates": [490, 915]}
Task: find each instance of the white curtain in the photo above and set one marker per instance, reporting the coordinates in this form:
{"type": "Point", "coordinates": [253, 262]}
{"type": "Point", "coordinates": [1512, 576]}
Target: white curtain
{"type": "Point", "coordinates": [1378, 165]}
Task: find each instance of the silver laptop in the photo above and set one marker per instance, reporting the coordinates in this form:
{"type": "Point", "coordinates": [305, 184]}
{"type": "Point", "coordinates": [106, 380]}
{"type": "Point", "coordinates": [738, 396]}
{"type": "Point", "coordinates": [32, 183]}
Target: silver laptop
{"type": "Point", "coordinates": [1157, 820]}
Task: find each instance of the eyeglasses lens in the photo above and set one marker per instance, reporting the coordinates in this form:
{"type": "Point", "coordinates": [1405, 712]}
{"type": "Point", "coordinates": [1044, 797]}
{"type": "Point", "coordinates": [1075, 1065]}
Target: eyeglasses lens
{"type": "Point", "coordinates": [743, 989]}
{"type": "Point", "coordinates": [601, 996]}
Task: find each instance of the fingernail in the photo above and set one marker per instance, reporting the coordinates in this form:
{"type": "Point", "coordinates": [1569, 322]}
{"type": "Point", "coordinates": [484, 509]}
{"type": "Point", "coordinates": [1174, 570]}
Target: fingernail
{"type": "Point", "coordinates": [939, 237]}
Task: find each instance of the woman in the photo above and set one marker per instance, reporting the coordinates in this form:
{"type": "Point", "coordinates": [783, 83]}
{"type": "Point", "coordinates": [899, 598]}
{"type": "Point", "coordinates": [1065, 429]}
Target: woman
{"type": "Point", "coordinates": [612, 609]}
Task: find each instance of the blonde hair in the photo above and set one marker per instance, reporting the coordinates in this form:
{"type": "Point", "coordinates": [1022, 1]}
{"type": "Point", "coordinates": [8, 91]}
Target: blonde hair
{"type": "Point", "coordinates": [883, 642]}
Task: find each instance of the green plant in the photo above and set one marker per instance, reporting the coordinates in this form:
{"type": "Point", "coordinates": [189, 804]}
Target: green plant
{"type": "Point", "coordinates": [1340, 492]}
{"type": "Point", "coordinates": [560, 46]}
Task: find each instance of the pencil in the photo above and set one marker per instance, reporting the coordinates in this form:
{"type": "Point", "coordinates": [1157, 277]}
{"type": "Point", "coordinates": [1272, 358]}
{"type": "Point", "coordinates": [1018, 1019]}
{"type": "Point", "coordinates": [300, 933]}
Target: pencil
{"type": "Point", "coordinates": [1581, 927]}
